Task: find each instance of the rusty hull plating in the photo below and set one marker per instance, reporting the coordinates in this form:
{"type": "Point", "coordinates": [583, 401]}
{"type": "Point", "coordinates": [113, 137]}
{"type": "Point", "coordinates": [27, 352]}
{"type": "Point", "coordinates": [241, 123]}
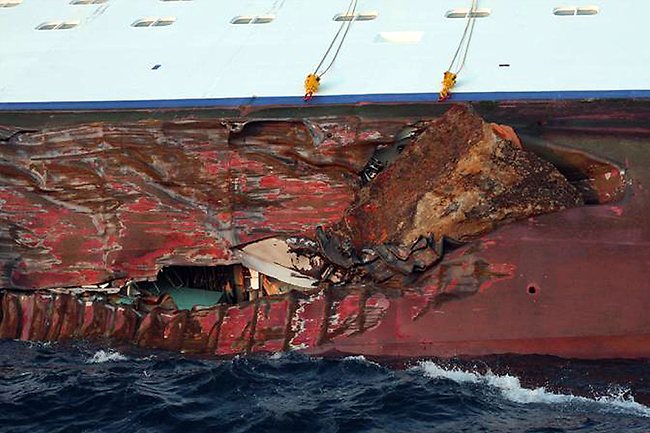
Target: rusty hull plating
{"type": "Point", "coordinates": [94, 202]}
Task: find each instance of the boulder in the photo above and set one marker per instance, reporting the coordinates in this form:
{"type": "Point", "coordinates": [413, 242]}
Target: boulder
{"type": "Point", "coordinates": [457, 180]}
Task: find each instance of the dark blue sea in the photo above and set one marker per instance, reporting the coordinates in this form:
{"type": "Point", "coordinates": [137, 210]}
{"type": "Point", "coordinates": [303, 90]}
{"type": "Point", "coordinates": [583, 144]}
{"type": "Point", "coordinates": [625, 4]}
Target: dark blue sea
{"type": "Point", "coordinates": [83, 388]}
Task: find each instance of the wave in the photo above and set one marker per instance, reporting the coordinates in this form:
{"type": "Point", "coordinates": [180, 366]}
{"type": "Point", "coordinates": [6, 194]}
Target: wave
{"type": "Point", "coordinates": [361, 360]}
{"type": "Point", "coordinates": [102, 356]}
{"type": "Point", "coordinates": [277, 355]}
{"type": "Point", "coordinates": [618, 400]}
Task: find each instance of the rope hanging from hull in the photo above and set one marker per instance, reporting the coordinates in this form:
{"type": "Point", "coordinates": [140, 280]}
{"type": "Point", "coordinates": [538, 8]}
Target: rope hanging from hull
{"type": "Point", "coordinates": [313, 80]}
{"type": "Point", "coordinates": [458, 61]}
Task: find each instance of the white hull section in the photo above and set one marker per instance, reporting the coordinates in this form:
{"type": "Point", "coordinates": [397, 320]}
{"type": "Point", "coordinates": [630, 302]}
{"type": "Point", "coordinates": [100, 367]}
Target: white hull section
{"type": "Point", "coordinates": [522, 50]}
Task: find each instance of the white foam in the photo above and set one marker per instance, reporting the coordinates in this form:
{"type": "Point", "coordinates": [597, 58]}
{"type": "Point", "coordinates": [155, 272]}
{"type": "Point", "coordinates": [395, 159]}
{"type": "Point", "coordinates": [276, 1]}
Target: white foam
{"type": "Point", "coordinates": [510, 387]}
{"type": "Point", "coordinates": [276, 355]}
{"type": "Point", "coordinates": [102, 356]}
{"type": "Point", "coordinates": [361, 359]}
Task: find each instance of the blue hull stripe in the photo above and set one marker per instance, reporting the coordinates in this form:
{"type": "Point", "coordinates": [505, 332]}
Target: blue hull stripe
{"type": "Point", "coordinates": [322, 100]}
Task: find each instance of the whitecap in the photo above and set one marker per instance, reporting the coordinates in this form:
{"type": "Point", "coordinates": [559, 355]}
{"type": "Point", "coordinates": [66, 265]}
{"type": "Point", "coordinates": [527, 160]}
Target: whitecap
{"type": "Point", "coordinates": [361, 360]}
{"type": "Point", "coordinates": [102, 356]}
{"type": "Point", "coordinates": [510, 387]}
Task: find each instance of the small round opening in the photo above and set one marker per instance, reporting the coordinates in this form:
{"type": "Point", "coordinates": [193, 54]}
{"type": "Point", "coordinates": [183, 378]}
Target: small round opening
{"type": "Point", "coordinates": [532, 290]}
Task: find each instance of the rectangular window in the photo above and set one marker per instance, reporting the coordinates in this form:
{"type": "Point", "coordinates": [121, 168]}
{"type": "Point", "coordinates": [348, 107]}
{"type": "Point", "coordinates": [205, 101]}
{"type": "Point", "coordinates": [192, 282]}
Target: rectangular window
{"type": "Point", "coordinates": [9, 3]}
{"type": "Point", "coordinates": [463, 12]}
{"type": "Point", "coordinates": [154, 22]}
{"type": "Point", "coordinates": [88, 2]}
{"type": "Point", "coordinates": [246, 19]}
{"type": "Point", "coordinates": [569, 11]}
{"type": "Point", "coordinates": [57, 25]}
{"type": "Point", "coordinates": [365, 16]}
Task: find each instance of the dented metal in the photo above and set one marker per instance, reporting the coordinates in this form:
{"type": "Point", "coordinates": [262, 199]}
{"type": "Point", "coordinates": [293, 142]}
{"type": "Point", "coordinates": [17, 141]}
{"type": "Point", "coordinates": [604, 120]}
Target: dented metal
{"type": "Point", "coordinates": [117, 202]}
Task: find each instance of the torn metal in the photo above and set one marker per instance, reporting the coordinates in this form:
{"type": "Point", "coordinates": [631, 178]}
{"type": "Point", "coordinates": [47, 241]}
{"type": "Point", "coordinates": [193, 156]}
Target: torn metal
{"type": "Point", "coordinates": [457, 179]}
{"type": "Point", "coordinates": [232, 237]}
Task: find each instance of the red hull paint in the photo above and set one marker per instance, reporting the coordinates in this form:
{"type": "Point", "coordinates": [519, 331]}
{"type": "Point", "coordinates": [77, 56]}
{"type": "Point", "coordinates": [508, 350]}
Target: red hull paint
{"type": "Point", "coordinates": [588, 268]}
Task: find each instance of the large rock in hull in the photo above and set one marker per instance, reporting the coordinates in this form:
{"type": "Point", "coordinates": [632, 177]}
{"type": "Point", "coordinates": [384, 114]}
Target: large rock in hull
{"type": "Point", "coordinates": [459, 178]}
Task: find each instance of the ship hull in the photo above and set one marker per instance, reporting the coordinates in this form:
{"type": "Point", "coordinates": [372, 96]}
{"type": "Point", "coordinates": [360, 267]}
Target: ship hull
{"type": "Point", "coordinates": [554, 292]}
{"type": "Point", "coordinates": [570, 284]}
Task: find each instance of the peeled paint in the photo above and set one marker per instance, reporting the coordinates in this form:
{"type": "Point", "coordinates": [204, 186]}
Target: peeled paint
{"type": "Point", "coordinates": [111, 202]}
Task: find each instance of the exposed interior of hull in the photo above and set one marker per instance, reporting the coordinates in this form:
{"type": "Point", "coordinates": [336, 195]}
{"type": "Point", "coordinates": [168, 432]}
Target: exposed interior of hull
{"type": "Point", "coordinates": [186, 287]}
{"type": "Point", "coordinates": [598, 180]}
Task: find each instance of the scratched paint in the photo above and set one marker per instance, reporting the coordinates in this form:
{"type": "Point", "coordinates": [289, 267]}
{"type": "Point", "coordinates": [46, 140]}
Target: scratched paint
{"type": "Point", "coordinates": [124, 187]}
{"type": "Point", "coordinates": [149, 194]}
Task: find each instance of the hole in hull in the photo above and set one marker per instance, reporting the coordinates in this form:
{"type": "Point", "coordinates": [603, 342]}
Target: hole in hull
{"type": "Point", "coordinates": [597, 180]}
{"type": "Point", "coordinates": [205, 286]}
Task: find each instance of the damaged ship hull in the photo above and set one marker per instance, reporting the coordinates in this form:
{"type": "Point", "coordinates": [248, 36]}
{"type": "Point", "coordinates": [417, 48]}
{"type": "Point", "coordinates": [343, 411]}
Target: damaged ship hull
{"type": "Point", "coordinates": [86, 202]}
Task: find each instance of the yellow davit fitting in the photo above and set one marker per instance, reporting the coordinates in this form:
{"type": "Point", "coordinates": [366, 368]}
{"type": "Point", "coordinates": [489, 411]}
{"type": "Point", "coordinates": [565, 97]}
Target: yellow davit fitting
{"type": "Point", "coordinates": [458, 61]}
{"type": "Point", "coordinates": [448, 82]}
{"type": "Point", "coordinates": [312, 83]}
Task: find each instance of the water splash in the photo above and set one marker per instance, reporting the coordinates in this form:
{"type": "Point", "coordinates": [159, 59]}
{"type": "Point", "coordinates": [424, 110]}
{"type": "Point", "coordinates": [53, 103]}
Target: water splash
{"type": "Point", "coordinates": [102, 356]}
{"type": "Point", "coordinates": [618, 400]}
{"type": "Point", "coordinates": [361, 360]}
{"type": "Point", "coordinates": [276, 355]}
{"type": "Point", "coordinates": [303, 393]}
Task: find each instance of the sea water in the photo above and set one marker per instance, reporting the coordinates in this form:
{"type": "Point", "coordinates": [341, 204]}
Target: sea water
{"type": "Point", "coordinates": [83, 388]}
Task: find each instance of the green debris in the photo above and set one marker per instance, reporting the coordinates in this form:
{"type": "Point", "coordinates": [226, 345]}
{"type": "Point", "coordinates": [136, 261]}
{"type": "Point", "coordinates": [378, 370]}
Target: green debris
{"type": "Point", "coordinates": [186, 298]}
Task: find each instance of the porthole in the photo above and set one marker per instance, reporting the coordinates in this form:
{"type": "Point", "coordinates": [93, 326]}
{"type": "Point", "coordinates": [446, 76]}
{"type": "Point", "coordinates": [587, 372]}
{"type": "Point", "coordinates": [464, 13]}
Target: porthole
{"type": "Point", "coordinates": [142, 23]}
{"type": "Point", "coordinates": [365, 16]}
{"type": "Point", "coordinates": [368, 16]}
{"type": "Point", "coordinates": [343, 17]}
{"type": "Point", "coordinates": [67, 26]}
{"type": "Point", "coordinates": [246, 19]}
{"type": "Point", "coordinates": [588, 10]}
{"type": "Point", "coordinates": [88, 2]}
{"type": "Point", "coordinates": [57, 25]}
{"type": "Point", "coordinates": [264, 19]}
{"type": "Point", "coordinates": [463, 12]}
{"type": "Point", "coordinates": [154, 22]}
{"type": "Point", "coordinates": [241, 20]}
{"type": "Point", "coordinates": [9, 3]}
{"type": "Point", "coordinates": [564, 11]}
{"type": "Point", "coordinates": [164, 22]}
{"type": "Point", "coordinates": [47, 26]}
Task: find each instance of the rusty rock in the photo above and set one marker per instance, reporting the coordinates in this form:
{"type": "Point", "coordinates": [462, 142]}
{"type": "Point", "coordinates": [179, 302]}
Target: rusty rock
{"type": "Point", "coordinates": [457, 179]}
